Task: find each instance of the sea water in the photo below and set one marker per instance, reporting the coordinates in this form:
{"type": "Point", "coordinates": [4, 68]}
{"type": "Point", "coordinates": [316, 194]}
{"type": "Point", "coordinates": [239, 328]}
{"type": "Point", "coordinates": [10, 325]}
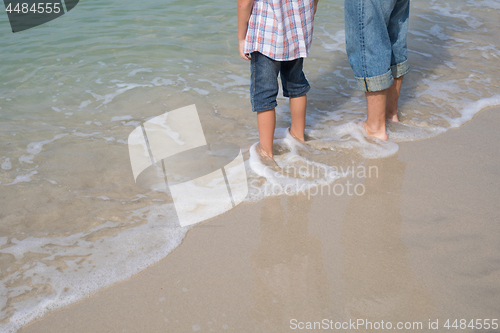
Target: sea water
{"type": "Point", "coordinates": [72, 219]}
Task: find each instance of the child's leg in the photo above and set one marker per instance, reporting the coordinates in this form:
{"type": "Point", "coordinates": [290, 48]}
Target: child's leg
{"type": "Point", "coordinates": [298, 115]}
{"type": "Point", "coordinates": [266, 122]}
{"type": "Point", "coordinates": [263, 91]}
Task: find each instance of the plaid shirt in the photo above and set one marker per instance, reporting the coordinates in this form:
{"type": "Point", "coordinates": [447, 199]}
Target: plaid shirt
{"type": "Point", "coordinates": [280, 29]}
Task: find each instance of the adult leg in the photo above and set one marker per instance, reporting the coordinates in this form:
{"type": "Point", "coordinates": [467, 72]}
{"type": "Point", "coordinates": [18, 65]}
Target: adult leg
{"type": "Point", "coordinates": [391, 109]}
{"type": "Point", "coordinates": [398, 29]}
{"type": "Point", "coordinates": [374, 125]}
{"type": "Point", "coordinates": [382, 106]}
{"type": "Point", "coordinates": [369, 51]}
{"type": "Point", "coordinates": [378, 102]}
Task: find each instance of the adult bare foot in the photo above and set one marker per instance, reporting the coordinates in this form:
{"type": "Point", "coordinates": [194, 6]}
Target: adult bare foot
{"type": "Point", "coordinates": [392, 117]}
{"type": "Point", "coordinates": [378, 133]}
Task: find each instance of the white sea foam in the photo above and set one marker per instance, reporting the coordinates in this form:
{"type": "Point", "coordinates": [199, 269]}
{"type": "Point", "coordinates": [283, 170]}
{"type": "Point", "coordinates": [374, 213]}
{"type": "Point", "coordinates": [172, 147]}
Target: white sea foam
{"type": "Point", "coordinates": [36, 147]}
{"type": "Point", "coordinates": [23, 178]}
{"type": "Point", "coordinates": [106, 260]}
{"type": "Point", "coordinates": [352, 136]}
{"type": "Point", "coordinates": [440, 93]}
{"type": "Point", "coordinates": [427, 55]}
{"type": "Point", "coordinates": [159, 81]}
{"type": "Point", "coordinates": [418, 33]}
{"type": "Point", "coordinates": [139, 70]}
{"type": "Point", "coordinates": [338, 39]}
{"type": "Point", "coordinates": [236, 80]}
{"type": "Point", "coordinates": [120, 118]}
{"type": "Point", "coordinates": [201, 91]}
{"type": "Point", "coordinates": [26, 159]}
{"type": "Point", "coordinates": [85, 104]}
{"type": "Point", "coordinates": [131, 123]}
{"type": "Point", "coordinates": [121, 88]}
{"type": "Point", "coordinates": [450, 64]}
{"type": "Point", "coordinates": [437, 31]}
{"type": "Point", "coordinates": [457, 13]}
{"type": "Point", "coordinates": [491, 4]}
{"type": "Point", "coordinates": [85, 134]}
{"type": "Point", "coordinates": [470, 110]}
{"type": "Point", "coordinates": [6, 165]}
{"type": "Point", "coordinates": [294, 173]}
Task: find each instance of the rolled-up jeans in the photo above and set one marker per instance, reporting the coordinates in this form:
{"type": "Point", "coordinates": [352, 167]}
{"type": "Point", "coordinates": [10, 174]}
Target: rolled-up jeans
{"type": "Point", "coordinates": [376, 41]}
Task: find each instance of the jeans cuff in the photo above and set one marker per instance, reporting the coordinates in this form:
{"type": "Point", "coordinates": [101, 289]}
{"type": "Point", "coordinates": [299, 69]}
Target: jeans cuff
{"type": "Point", "coordinates": [375, 83]}
{"type": "Point", "coordinates": [400, 69]}
{"type": "Point", "coordinates": [294, 95]}
{"type": "Point", "coordinates": [265, 107]}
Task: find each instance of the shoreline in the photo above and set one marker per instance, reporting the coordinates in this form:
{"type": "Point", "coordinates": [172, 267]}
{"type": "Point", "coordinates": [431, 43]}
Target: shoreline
{"type": "Point", "coordinates": [418, 245]}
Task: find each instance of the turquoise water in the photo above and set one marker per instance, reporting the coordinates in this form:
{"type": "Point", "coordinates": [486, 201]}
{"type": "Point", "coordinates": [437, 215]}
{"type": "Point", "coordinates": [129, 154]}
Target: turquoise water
{"type": "Point", "coordinates": [72, 220]}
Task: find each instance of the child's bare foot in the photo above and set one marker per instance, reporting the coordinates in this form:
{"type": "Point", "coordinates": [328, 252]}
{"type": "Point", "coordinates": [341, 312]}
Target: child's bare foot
{"type": "Point", "coordinates": [268, 151]}
{"type": "Point", "coordinates": [377, 133]}
{"type": "Point", "coordinates": [299, 139]}
{"type": "Point", "coordinates": [267, 159]}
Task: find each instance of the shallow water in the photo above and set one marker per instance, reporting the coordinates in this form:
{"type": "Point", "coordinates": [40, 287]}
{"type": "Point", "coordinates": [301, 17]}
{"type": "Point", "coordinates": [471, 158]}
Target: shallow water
{"type": "Point", "coordinates": [71, 91]}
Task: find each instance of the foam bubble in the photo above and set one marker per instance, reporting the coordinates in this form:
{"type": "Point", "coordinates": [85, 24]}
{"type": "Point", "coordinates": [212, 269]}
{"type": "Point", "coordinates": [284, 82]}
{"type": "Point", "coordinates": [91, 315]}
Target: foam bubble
{"type": "Point", "coordinates": [201, 91]}
{"type": "Point", "coordinates": [338, 39]}
{"type": "Point", "coordinates": [139, 70]}
{"type": "Point", "coordinates": [36, 147]}
{"type": "Point", "coordinates": [26, 159]}
{"type": "Point", "coordinates": [121, 88]}
{"type": "Point", "coordinates": [23, 178]}
{"type": "Point", "coordinates": [450, 64]}
{"type": "Point", "coordinates": [85, 134]}
{"type": "Point", "coordinates": [120, 118]}
{"type": "Point", "coordinates": [6, 165]}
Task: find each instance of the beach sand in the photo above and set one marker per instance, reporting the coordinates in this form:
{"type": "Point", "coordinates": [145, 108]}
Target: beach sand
{"type": "Point", "coordinates": [420, 244]}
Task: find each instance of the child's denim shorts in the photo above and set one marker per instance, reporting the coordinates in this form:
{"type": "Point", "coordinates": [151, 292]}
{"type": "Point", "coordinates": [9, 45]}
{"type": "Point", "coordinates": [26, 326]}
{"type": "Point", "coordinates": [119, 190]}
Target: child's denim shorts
{"type": "Point", "coordinates": [264, 80]}
{"type": "Point", "coordinates": [376, 41]}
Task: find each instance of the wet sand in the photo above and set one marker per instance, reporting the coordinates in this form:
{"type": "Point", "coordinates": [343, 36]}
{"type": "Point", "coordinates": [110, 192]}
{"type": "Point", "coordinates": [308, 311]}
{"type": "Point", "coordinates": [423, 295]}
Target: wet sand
{"type": "Point", "coordinates": [420, 244]}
